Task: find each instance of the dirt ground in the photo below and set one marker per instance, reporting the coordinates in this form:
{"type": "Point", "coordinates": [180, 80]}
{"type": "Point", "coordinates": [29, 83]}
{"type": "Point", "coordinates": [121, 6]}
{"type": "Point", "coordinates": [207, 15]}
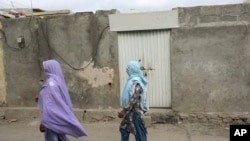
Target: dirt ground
{"type": "Point", "coordinates": [14, 130]}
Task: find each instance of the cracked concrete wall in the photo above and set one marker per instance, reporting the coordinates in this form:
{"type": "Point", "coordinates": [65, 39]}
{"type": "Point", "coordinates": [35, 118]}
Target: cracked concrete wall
{"type": "Point", "coordinates": [82, 44]}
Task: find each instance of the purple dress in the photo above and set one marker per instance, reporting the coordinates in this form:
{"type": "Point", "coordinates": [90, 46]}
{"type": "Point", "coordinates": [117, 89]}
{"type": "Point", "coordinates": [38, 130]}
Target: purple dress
{"type": "Point", "coordinates": [55, 104]}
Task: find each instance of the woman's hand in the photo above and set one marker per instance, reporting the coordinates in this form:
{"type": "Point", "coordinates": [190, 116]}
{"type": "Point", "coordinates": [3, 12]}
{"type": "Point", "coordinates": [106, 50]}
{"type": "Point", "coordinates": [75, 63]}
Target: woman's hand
{"type": "Point", "coordinates": [122, 113]}
{"type": "Point", "coordinates": [42, 128]}
{"type": "Point", "coordinates": [36, 99]}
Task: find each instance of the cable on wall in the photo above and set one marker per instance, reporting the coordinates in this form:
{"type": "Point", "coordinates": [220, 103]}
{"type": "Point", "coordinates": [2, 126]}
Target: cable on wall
{"type": "Point", "coordinates": [74, 68]}
{"type": "Point", "coordinates": [18, 48]}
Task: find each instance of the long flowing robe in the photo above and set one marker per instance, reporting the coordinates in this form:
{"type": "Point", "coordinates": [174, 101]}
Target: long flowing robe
{"type": "Point", "coordinates": [55, 104]}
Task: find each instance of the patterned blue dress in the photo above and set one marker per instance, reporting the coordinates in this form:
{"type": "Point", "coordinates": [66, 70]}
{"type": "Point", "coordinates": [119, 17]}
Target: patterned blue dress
{"type": "Point", "coordinates": [133, 122]}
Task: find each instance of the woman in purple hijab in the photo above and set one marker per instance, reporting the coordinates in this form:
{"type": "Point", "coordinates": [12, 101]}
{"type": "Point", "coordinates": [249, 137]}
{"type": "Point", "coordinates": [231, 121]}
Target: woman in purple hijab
{"type": "Point", "coordinates": [56, 107]}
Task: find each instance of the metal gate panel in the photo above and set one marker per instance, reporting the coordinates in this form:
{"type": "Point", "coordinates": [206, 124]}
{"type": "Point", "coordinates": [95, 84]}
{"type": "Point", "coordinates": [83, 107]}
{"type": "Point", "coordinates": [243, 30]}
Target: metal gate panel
{"type": "Point", "coordinates": [152, 50]}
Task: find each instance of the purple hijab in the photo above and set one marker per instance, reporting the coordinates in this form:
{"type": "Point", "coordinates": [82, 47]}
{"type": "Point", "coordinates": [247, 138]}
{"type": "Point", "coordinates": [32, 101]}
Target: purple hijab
{"type": "Point", "coordinates": [55, 104]}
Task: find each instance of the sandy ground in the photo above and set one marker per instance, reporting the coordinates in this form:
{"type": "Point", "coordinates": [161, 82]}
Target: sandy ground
{"type": "Point", "coordinates": [108, 131]}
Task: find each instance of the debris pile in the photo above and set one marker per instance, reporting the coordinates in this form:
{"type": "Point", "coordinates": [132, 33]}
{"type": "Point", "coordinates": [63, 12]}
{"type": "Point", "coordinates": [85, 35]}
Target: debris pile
{"type": "Point", "coordinates": [21, 13]}
{"type": "Point", "coordinates": [11, 14]}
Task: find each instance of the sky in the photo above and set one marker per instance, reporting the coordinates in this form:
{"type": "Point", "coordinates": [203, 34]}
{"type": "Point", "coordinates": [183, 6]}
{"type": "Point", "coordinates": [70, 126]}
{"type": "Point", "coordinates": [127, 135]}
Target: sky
{"type": "Point", "coordinates": [121, 5]}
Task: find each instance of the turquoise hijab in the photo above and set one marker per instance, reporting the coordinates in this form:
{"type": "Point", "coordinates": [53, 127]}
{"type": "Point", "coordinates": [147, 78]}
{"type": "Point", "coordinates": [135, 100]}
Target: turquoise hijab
{"type": "Point", "coordinates": [135, 74]}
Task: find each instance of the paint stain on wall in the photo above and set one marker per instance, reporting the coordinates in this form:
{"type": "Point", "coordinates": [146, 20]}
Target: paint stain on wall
{"type": "Point", "coordinates": [97, 76]}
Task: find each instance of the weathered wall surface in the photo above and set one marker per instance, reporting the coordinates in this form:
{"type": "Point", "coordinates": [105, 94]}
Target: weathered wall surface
{"type": "Point", "coordinates": [210, 69]}
{"type": "Point", "coordinates": [83, 45]}
{"type": "Point", "coordinates": [21, 66]}
{"type": "Point", "coordinates": [210, 57]}
{"type": "Point", "coordinates": [2, 73]}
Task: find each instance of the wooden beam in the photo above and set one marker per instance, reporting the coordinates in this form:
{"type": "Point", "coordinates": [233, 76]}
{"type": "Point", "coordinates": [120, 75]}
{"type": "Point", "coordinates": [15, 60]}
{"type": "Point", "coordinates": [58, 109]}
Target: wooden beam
{"type": "Point", "coordinates": [8, 15]}
{"type": "Point", "coordinates": [50, 13]}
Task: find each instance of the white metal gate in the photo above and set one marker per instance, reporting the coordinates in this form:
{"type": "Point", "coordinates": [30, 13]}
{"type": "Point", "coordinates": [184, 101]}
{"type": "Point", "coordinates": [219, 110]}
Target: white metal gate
{"type": "Point", "coordinates": [152, 49]}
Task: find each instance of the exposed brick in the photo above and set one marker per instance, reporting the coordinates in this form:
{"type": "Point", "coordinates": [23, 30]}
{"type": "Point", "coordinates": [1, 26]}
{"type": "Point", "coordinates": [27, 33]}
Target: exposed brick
{"type": "Point", "coordinates": [232, 10]}
{"type": "Point", "coordinates": [194, 16]}
{"type": "Point", "coordinates": [246, 8]}
{"type": "Point", "coordinates": [189, 15]}
{"type": "Point", "coordinates": [228, 18]}
{"type": "Point", "coordinates": [211, 11]}
{"type": "Point", "coordinates": [244, 17]}
{"type": "Point", "coordinates": [207, 19]}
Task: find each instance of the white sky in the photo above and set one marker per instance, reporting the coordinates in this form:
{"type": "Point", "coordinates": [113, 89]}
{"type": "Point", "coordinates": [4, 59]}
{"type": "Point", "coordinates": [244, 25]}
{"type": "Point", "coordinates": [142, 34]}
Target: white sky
{"type": "Point", "coordinates": [121, 5]}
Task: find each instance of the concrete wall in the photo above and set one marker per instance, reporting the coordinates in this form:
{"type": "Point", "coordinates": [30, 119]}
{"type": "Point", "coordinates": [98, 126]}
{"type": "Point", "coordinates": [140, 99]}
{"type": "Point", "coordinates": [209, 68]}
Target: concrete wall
{"type": "Point", "coordinates": [210, 69]}
{"type": "Point", "coordinates": [210, 58]}
{"type": "Point", "coordinates": [83, 45]}
{"type": "Point", "coordinates": [21, 66]}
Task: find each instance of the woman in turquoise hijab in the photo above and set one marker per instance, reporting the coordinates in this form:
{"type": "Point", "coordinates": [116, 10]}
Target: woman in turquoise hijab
{"type": "Point", "coordinates": [134, 104]}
